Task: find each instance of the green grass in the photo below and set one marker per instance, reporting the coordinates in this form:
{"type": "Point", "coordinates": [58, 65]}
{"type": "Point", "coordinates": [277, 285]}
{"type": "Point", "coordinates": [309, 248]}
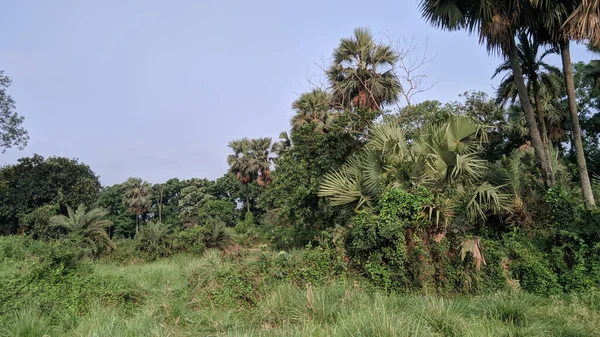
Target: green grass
{"type": "Point", "coordinates": [187, 296]}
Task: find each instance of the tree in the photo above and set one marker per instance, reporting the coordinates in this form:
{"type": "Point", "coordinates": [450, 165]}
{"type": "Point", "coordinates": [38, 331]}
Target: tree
{"type": "Point", "coordinates": [34, 182]}
{"type": "Point", "coordinates": [592, 70]}
{"type": "Point", "coordinates": [497, 23]}
{"type": "Point", "coordinates": [543, 79]}
{"type": "Point", "coordinates": [88, 227]}
{"type": "Point", "coordinates": [240, 164]}
{"type": "Point", "coordinates": [262, 150]}
{"type": "Point", "coordinates": [193, 195]}
{"type": "Point", "coordinates": [584, 21]}
{"type": "Point", "coordinates": [553, 27]}
{"type": "Point", "coordinates": [251, 161]}
{"type": "Point", "coordinates": [137, 197]}
{"type": "Point", "coordinates": [362, 73]}
{"type": "Point", "coordinates": [166, 198]}
{"type": "Point", "coordinates": [111, 199]}
{"type": "Point", "coordinates": [291, 198]}
{"type": "Point", "coordinates": [313, 108]}
{"type": "Point", "coordinates": [444, 158]}
{"type": "Point", "coordinates": [12, 132]}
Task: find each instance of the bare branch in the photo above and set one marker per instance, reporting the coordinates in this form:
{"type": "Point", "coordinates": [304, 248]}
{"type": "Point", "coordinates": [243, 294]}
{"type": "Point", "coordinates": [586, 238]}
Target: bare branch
{"type": "Point", "coordinates": [411, 68]}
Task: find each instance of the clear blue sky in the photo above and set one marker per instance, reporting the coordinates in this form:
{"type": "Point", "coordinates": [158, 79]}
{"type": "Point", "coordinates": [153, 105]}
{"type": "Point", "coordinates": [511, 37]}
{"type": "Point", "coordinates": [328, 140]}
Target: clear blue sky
{"type": "Point", "coordinates": [157, 89]}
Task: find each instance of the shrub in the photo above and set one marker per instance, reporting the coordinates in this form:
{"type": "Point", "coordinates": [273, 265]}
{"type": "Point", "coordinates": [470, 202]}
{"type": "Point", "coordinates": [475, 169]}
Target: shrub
{"type": "Point", "coordinates": [216, 235]}
{"type": "Point", "coordinates": [377, 243]}
{"type": "Point", "coordinates": [154, 239]}
{"type": "Point", "coordinates": [530, 267]}
{"type": "Point", "coordinates": [190, 240]}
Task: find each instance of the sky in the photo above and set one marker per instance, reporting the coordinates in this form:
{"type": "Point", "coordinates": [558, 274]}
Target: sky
{"type": "Point", "coordinates": [157, 89]}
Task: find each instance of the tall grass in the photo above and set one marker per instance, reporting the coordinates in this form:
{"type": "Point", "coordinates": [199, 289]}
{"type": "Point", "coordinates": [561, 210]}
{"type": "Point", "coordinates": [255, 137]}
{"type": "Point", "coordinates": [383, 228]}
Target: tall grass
{"type": "Point", "coordinates": [171, 306]}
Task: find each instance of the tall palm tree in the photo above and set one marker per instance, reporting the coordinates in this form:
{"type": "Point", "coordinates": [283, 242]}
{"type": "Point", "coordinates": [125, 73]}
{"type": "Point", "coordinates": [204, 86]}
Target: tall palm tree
{"type": "Point", "coordinates": [137, 198]}
{"type": "Point", "coordinates": [362, 73]}
{"type": "Point", "coordinates": [554, 26]}
{"type": "Point", "coordinates": [90, 227]}
{"type": "Point", "coordinates": [240, 164]}
{"type": "Point", "coordinates": [496, 23]}
{"type": "Point", "coordinates": [542, 79]}
{"type": "Point", "coordinates": [313, 108]}
{"type": "Point", "coordinates": [262, 150]}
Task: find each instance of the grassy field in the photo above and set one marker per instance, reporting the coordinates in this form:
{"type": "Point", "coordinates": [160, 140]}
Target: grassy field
{"type": "Point", "coordinates": [191, 296]}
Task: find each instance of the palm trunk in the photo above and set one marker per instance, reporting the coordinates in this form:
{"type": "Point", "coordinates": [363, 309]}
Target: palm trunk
{"type": "Point", "coordinates": [586, 186]}
{"type": "Point", "coordinates": [137, 224]}
{"type": "Point", "coordinates": [542, 123]}
{"type": "Point", "coordinates": [534, 133]}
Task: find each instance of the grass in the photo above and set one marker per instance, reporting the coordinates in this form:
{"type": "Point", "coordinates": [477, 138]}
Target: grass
{"type": "Point", "coordinates": [213, 296]}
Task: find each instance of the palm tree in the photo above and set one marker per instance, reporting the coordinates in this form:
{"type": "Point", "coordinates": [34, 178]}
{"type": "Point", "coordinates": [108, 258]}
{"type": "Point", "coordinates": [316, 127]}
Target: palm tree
{"type": "Point", "coordinates": [592, 70]}
{"type": "Point", "coordinates": [137, 198]}
{"type": "Point", "coordinates": [542, 79]}
{"type": "Point", "coordinates": [283, 145]}
{"type": "Point", "coordinates": [362, 73]}
{"type": "Point", "coordinates": [240, 164]}
{"type": "Point", "coordinates": [261, 159]}
{"type": "Point", "coordinates": [553, 25]}
{"type": "Point", "coordinates": [313, 108]}
{"type": "Point", "coordinates": [90, 227]}
{"type": "Point", "coordinates": [441, 157]}
{"type": "Point", "coordinates": [497, 23]}
{"type": "Point", "coordinates": [584, 21]}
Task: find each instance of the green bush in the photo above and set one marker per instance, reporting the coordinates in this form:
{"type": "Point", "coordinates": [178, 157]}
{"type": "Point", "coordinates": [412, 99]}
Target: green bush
{"type": "Point", "coordinates": [530, 267]}
{"type": "Point", "coordinates": [190, 240]}
{"type": "Point", "coordinates": [57, 278]}
{"type": "Point", "coordinates": [377, 243]}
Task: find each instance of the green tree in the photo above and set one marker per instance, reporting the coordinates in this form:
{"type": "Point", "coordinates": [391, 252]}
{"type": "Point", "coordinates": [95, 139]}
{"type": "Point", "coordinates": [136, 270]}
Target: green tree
{"type": "Point", "coordinates": [12, 132]}
{"type": "Point", "coordinates": [292, 199]}
{"type": "Point", "coordinates": [553, 27]}
{"type": "Point", "coordinates": [445, 158]}
{"type": "Point", "coordinates": [34, 182]}
{"type": "Point", "coordinates": [497, 24]}
{"type": "Point", "coordinates": [362, 74]}
{"type": "Point", "coordinates": [542, 79]}
{"type": "Point", "coordinates": [240, 165]}
{"type": "Point", "coordinates": [111, 199]}
{"type": "Point", "coordinates": [138, 198]}
{"type": "Point", "coordinates": [591, 70]}
{"type": "Point", "coordinates": [313, 108]}
{"type": "Point", "coordinates": [193, 195]}
{"type": "Point", "coordinates": [87, 227]}
{"type": "Point", "coordinates": [262, 150]}
{"type": "Point", "coordinates": [166, 198]}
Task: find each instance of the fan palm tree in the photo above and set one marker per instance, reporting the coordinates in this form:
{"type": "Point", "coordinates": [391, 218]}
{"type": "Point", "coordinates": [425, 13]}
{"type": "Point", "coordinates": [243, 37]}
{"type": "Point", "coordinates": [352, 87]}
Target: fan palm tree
{"type": "Point", "coordinates": [240, 165]}
{"type": "Point", "coordinates": [542, 79]}
{"type": "Point", "coordinates": [313, 108]}
{"type": "Point", "coordinates": [90, 227]}
{"type": "Point", "coordinates": [362, 73]}
{"type": "Point", "coordinates": [137, 198]}
{"type": "Point", "coordinates": [283, 145]}
{"type": "Point", "coordinates": [555, 25]}
{"type": "Point", "coordinates": [496, 23]}
{"type": "Point", "coordinates": [261, 159]}
{"type": "Point", "coordinates": [442, 156]}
